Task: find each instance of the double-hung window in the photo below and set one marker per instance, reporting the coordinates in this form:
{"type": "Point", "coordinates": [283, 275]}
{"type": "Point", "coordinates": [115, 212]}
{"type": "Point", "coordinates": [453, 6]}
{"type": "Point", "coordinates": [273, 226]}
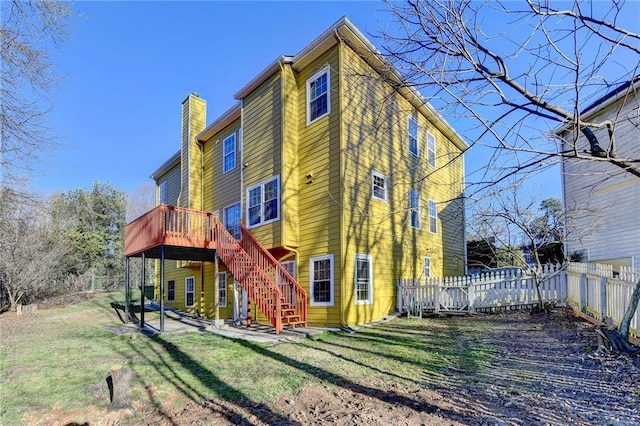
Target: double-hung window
{"type": "Point", "coordinates": [163, 192]}
{"type": "Point", "coordinates": [222, 289]}
{"type": "Point", "coordinates": [413, 136]}
{"type": "Point", "coordinates": [364, 279]}
{"type": "Point", "coordinates": [427, 267]}
{"type": "Point", "coordinates": [431, 149]}
{"type": "Point", "coordinates": [318, 96]}
{"type": "Point", "coordinates": [379, 186]}
{"type": "Point", "coordinates": [321, 280]}
{"type": "Point", "coordinates": [433, 217]}
{"type": "Point", "coordinates": [189, 292]}
{"type": "Point", "coordinates": [263, 202]}
{"type": "Point", "coordinates": [290, 267]}
{"type": "Point", "coordinates": [229, 153]}
{"type": "Point", "coordinates": [414, 209]}
{"type": "Point", "coordinates": [171, 291]}
{"type": "Point", "coordinates": [231, 220]}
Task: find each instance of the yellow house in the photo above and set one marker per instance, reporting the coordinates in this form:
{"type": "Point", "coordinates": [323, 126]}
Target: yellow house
{"type": "Point", "coordinates": [334, 180]}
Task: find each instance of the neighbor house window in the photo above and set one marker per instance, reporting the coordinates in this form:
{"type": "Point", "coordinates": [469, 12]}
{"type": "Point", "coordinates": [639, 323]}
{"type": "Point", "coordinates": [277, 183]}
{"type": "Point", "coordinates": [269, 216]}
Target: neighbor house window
{"type": "Point", "coordinates": [433, 217]}
{"type": "Point", "coordinates": [222, 289]}
{"type": "Point", "coordinates": [414, 209]}
{"type": "Point", "coordinates": [379, 186]}
{"type": "Point", "coordinates": [290, 267]}
{"type": "Point", "coordinates": [229, 153]}
{"type": "Point", "coordinates": [171, 291]}
{"type": "Point", "coordinates": [190, 292]}
{"type": "Point", "coordinates": [318, 99]}
{"type": "Point", "coordinates": [431, 149]}
{"type": "Point", "coordinates": [231, 220]}
{"type": "Point", "coordinates": [413, 136]}
{"type": "Point", "coordinates": [263, 202]}
{"type": "Point", "coordinates": [427, 267]}
{"type": "Point", "coordinates": [364, 279]}
{"type": "Point", "coordinates": [321, 280]}
{"type": "Point", "coordinates": [163, 191]}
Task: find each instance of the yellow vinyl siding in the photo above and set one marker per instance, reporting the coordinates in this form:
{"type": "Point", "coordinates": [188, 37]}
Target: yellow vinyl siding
{"type": "Point", "coordinates": [319, 155]}
{"type": "Point", "coordinates": [375, 125]}
{"type": "Point", "coordinates": [172, 177]}
{"type": "Point", "coordinates": [262, 128]}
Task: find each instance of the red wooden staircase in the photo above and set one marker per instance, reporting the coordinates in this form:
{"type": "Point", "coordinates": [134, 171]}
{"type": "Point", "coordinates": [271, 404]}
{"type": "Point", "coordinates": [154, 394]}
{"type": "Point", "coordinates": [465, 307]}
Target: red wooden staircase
{"type": "Point", "coordinates": [274, 291]}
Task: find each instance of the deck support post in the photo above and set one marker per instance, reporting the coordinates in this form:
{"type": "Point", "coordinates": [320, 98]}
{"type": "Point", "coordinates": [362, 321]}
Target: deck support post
{"type": "Point", "coordinates": [142, 283]}
{"type": "Point", "coordinates": [162, 289]}
{"type": "Point", "coordinates": [127, 296]}
{"type": "Point", "coordinates": [216, 290]}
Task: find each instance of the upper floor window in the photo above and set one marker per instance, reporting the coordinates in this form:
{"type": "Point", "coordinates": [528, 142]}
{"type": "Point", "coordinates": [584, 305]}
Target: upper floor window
{"type": "Point", "coordinates": [433, 217]}
{"type": "Point", "coordinates": [229, 153]}
{"type": "Point", "coordinates": [414, 209]}
{"type": "Point", "coordinates": [379, 186]}
{"type": "Point", "coordinates": [413, 136]}
{"type": "Point", "coordinates": [318, 98]}
{"type": "Point", "coordinates": [263, 202]}
{"type": "Point", "coordinates": [321, 280]}
{"type": "Point", "coordinates": [231, 220]}
{"type": "Point", "coordinates": [163, 192]}
{"type": "Point", "coordinates": [364, 279]}
{"type": "Point", "coordinates": [431, 149]}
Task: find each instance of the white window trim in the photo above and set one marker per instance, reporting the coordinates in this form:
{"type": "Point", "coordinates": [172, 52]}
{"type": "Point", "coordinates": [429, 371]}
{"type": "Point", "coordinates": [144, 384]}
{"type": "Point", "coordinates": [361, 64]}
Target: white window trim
{"type": "Point", "coordinates": [223, 219]}
{"type": "Point", "coordinates": [163, 189]}
{"type": "Point", "coordinates": [418, 208]}
{"type": "Point", "coordinates": [293, 268]}
{"type": "Point", "coordinates": [431, 158]}
{"type": "Point", "coordinates": [314, 78]}
{"type": "Point", "coordinates": [433, 217]}
{"type": "Point", "coordinates": [369, 300]}
{"type": "Point", "coordinates": [174, 291]}
{"type": "Point", "coordinates": [226, 290]}
{"type": "Point", "coordinates": [312, 302]}
{"type": "Point", "coordinates": [225, 154]}
{"type": "Point", "coordinates": [262, 222]}
{"type": "Point", "coordinates": [417, 153]}
{"type": "Point", "coordinates": [187, 292]}
{"type": "Point", "coordinates": [375, 174]}
{"type": "Point", "coordinates": [426, 261]}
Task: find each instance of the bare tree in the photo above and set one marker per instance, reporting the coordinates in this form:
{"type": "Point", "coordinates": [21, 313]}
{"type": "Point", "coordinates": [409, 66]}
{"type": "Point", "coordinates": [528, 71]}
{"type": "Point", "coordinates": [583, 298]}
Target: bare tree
{"type": "Point", "coordinates": [513, 73]}
{"type": "Point", "coordinates": [29, 30]}
{"type": "Point", "coordinates": [140, 200]}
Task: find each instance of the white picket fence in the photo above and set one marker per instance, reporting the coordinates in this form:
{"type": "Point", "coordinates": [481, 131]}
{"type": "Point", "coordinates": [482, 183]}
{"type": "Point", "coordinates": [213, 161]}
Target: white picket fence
{"type": "Point", "coordinates": [589, 288]}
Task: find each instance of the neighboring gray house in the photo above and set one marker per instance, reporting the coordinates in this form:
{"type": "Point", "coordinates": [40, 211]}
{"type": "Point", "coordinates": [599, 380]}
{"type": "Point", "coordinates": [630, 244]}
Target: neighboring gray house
{"type": "Point", "coordinates": [602, 198]}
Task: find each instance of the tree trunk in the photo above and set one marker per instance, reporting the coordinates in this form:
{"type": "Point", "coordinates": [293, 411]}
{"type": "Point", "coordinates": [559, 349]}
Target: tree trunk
{"type": "Point", "coordinates": [630, 312]}
{"type": "Point", "coordinates": [119, 381]}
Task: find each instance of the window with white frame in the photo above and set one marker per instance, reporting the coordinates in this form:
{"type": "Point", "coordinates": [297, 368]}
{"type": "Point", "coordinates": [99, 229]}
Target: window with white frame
{"type": "Point", "coordinates": [171, 291]}
{"type": "Point", "coordinates": [318, 96]}
{"type": "Point", "coordinates": [433, 217]}
{"type": "Point", "coordinates": [263, 202]}
{"type": "Point", "coordinates": [163, 192]}
{"type": "Point", "coordinates": [379, 186]}
{"type": "Point", "coordinates": [413, 136]}
{"type": "Point", "coordinates": [431, 149]}
{"type": "Point", "coordinates": [321, 280]}
{"type": "Point", "coordinates": [229, 153]}
{"type": "Point", "coordinates": [414, 209]}
{"type": "Point", "coordinates": [189, 292]}
{"type": "Point", "coordinates": [427, 267]}
{"type": "Point", "coordinates": [290, 267]}
{"type": "Point", "coordinates": [222, 289]}
{"type": "Point", "coordinates": [364, 279]}
{"type": "Point", "coordinates": [231, 220]}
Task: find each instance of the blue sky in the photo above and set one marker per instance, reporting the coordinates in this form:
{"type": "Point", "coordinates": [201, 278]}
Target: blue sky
{"type": "Point", "coordinates": [129, 65]}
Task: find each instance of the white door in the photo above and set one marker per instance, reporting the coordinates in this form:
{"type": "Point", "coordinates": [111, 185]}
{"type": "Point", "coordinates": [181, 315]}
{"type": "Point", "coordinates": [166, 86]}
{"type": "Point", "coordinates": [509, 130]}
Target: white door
{"type": "Point", "coordinates": [239, 301]}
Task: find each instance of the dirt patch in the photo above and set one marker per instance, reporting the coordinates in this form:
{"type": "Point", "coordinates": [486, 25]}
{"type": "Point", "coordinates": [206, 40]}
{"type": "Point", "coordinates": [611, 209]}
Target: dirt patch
{"type": "Point", "coordinates": [544, 371]}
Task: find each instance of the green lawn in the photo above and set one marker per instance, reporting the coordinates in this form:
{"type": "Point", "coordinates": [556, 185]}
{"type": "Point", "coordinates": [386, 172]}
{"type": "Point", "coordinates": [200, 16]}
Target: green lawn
{"type": "Point", "coordinates": [59, 359]}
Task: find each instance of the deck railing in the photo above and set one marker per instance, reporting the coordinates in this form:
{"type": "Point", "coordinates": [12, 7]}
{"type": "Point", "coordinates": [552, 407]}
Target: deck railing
{"type": "Point", "coordinates": [292, 292]}
{"type": "Point", "coordinates": [168, 225]}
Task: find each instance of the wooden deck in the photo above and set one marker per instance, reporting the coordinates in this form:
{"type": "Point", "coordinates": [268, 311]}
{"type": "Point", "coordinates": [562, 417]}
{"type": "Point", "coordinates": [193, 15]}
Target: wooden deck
{"type": "Point", "coordinates": [183, 233]}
